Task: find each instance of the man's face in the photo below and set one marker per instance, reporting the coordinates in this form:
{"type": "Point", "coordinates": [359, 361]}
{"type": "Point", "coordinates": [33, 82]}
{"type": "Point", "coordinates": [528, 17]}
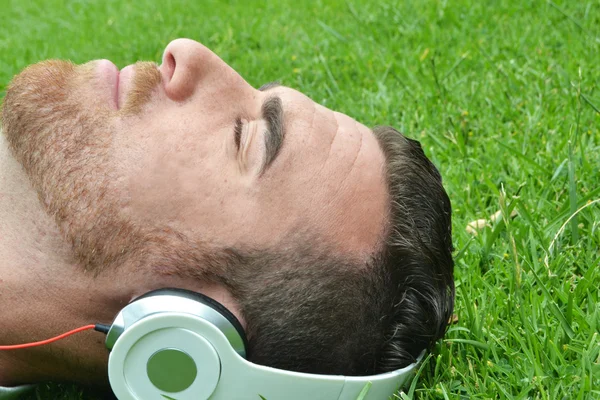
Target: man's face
{"type": "Point", "coordinates": [190, 150]}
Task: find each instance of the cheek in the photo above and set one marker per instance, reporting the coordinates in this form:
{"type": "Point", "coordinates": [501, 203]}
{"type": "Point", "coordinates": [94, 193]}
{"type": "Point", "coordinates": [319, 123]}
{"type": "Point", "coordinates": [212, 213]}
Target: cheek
{"type": "Point", "coordinates": [171, 175]}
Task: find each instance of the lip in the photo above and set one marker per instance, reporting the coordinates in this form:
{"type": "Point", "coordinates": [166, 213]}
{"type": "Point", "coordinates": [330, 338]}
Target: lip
{"type": "Point", "coordinates": [110, 73]}
{"type": "Point", "coordinates": [125, 79]}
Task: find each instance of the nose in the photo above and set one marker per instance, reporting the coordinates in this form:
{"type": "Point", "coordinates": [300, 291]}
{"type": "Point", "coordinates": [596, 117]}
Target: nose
{"type": "Point", "coordinates": [186, 62]}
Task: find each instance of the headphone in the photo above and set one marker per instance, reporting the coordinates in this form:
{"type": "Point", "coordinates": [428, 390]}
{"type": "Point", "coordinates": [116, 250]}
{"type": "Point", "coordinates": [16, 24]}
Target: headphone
{"type": "Point", "coordinates": [175, 344]}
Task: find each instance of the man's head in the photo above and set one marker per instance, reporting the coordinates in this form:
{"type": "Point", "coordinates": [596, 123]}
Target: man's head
{"type": "Point", "coordinates": [333, 240]}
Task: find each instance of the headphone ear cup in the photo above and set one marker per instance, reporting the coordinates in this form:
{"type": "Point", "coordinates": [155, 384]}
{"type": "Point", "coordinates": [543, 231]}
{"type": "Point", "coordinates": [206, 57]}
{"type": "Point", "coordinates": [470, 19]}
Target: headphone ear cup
{"type": "Point", "coordinates": [160, 357]}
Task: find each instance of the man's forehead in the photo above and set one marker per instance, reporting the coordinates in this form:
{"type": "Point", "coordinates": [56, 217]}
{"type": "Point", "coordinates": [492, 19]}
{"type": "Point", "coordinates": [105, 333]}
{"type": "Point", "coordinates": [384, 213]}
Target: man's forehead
{"type": "Point", "coordinates": [298, 101]}
{"type": "Point", "coordinates": [342, 159]}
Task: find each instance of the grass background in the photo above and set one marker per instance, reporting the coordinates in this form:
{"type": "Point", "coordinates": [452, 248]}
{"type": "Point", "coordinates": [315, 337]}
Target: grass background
{"type": "Point", "coordinates": [504, 95]}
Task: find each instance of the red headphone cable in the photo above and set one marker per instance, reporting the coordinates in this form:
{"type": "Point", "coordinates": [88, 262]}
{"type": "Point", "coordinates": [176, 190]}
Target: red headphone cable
{"type": "Point", "coordinates": [96, 327]}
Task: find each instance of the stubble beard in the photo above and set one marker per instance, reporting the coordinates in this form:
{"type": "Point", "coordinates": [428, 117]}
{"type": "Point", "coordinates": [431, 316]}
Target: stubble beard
{"type": "Point", "coordinates": [62, 135]}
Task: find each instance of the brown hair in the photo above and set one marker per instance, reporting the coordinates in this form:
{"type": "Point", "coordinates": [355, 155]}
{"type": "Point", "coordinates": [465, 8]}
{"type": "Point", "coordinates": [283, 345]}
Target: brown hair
{"type": "Point", "coordinates": [309, 309]}
{"type": "Point", "coordinates": [418, 251]}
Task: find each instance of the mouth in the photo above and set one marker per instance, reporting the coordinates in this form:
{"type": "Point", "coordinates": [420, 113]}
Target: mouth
{"type": "Point", "coordinates": [119, 82]}
{"type": "Point", "coordinates": [129, 89]}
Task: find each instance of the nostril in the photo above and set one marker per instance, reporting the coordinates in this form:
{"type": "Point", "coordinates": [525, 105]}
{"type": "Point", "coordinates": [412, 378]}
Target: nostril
{"type": "Point", "coordinates": [184, 63]}
{"type": "Point", "coordinates": [168, 66]}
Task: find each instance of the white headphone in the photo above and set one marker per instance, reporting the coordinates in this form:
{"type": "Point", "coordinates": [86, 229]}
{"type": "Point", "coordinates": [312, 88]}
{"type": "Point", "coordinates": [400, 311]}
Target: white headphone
{"type": "Point", "coordinates": [176, 344]}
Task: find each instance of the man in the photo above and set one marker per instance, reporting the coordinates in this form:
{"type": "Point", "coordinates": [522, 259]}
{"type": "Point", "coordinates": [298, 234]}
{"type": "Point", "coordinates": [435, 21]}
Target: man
{"type": "Point", "coordinates": [331, 242]}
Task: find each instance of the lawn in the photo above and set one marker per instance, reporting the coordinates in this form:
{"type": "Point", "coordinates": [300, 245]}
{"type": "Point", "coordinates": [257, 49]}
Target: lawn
{"type": "Point", "coordinates": [505, 98]}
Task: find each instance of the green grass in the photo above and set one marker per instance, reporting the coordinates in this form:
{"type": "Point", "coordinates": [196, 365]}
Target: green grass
{"type": "Point", "coordinates": [505, 97]}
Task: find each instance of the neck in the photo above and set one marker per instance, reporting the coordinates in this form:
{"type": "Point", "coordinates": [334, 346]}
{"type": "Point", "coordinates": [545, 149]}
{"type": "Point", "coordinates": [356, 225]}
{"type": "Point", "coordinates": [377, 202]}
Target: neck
{"type": "Point", "coordinates": [43, 292]}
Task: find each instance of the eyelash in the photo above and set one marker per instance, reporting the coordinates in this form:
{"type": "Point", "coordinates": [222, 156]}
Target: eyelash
{"type": "Point", "coordinates": [237, 131]}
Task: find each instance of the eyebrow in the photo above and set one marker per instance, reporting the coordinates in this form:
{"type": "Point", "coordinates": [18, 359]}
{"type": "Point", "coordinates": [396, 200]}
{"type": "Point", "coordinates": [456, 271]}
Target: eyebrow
{"type": "Point", "coordinates": [269, 85]}
{"type": "Point", "coordinates": [272, 112]}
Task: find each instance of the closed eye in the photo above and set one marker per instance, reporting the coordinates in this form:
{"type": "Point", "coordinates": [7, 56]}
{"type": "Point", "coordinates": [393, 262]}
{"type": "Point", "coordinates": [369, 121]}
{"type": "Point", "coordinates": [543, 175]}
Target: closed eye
{"type": "Point", "coordinates": [237, 132]}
